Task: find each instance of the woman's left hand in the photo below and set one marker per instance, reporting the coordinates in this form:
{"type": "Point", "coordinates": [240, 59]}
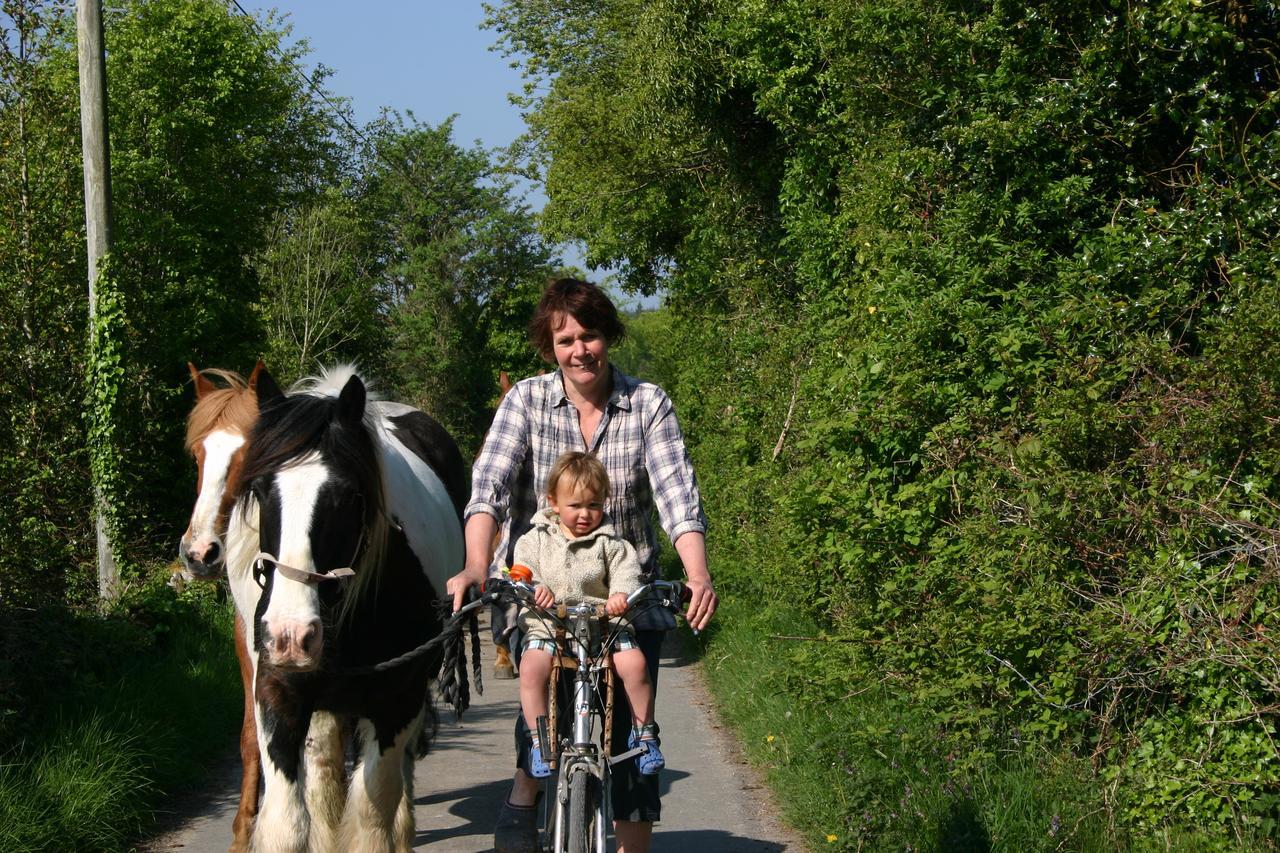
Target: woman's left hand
{"type": "Point", "coordinates": [702, 603]}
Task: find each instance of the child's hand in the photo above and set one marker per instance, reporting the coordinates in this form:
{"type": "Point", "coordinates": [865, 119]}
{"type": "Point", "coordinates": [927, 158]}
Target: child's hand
{"type": "Point", "coordinates": [617, 604]}
{"type": "Point", "coordinates": [543, 597]}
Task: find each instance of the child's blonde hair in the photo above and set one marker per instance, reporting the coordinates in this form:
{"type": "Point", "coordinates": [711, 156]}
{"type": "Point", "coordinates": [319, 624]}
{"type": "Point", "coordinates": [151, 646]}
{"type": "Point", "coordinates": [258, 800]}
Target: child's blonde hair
{"type": "Point", "coordinates": [581, 469]}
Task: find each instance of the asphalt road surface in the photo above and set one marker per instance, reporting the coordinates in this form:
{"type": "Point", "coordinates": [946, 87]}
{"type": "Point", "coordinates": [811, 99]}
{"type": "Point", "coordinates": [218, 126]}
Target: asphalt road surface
{"type": "Point", "coordinates": [712, 801]}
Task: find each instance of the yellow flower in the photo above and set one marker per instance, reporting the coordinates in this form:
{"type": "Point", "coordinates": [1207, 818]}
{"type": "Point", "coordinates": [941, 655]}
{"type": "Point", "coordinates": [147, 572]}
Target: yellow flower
{"type": "Point", "coordinates": [831, 838]}
{"type": "Point", "coordinates": [871, 309]}
{"type": "Point", "coordinates": [768, 739]}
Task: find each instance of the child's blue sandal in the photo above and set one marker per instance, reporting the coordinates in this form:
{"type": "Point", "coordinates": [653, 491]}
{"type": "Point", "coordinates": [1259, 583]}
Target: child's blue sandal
{"type": "Point", "coordinates": [650, 761]}
{"type": "Point", "coordinates": [538, 766]}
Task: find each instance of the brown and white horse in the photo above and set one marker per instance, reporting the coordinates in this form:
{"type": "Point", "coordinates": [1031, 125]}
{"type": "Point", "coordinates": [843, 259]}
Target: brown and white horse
{"type": "Point", "coordinates": [344, 485]}
{"type": "Point", "coordinates": [217, 435]}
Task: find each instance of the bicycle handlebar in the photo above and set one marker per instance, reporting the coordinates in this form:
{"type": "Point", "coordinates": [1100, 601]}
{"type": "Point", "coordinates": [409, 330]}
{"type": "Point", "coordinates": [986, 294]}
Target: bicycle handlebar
{"type": "Point", "coordinates": [497, 588]}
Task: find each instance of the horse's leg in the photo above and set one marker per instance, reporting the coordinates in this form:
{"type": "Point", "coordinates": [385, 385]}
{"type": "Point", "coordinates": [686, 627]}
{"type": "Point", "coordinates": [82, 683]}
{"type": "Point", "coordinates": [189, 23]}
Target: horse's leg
{"type": "Point", "coordinates": [251, 766]}
{"type": "Point", "coordinates": [403, 831]}
{"type": "Point", "coordinates": [375, 800]}
{"type": "Point", "coordinates": [282, 825]}
{"type": "Point", "coordinates": [325, 772]}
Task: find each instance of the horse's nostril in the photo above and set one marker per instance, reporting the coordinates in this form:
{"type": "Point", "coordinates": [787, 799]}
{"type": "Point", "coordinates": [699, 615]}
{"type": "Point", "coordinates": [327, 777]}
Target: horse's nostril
{"type": "Point", "coordinates": [213, 553]}
{"type": "Point", "coordinates": [309, 639]}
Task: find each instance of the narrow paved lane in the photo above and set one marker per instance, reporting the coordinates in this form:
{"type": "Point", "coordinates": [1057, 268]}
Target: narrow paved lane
{"type": "Point", "coordinates": [711, 802]}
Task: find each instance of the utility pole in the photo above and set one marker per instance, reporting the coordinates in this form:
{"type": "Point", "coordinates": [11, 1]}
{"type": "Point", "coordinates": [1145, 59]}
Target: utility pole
{"type": "Point", "coordinates": [97, 216]}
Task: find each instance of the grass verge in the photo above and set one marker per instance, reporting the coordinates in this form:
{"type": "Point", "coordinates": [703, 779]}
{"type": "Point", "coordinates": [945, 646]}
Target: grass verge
{"type": "Point", "coordinates": [863, 771]}
{"type": "Point", "coordinates": [122, 711]}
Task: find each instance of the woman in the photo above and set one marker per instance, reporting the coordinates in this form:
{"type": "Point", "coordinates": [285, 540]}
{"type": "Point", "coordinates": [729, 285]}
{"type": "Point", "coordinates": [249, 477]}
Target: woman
{"type": "Point", "coordinates": [586, 404]}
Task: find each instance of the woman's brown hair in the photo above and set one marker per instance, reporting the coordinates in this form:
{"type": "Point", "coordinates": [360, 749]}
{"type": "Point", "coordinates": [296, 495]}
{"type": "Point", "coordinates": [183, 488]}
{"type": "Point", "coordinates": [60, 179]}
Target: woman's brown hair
{"type": "Point", "coordinates": [583, 301]}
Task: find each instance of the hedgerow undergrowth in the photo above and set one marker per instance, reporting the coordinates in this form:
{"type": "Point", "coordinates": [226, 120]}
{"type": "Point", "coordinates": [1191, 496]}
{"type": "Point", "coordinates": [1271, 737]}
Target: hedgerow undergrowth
{"type": "Point", "coordinates": [106, 716]}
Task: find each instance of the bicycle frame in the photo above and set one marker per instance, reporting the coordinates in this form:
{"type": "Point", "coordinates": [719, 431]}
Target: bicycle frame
{"type": "Point", "coordinates": [581, 758]}
{"type": "Point", "coordinates": [582, 754]}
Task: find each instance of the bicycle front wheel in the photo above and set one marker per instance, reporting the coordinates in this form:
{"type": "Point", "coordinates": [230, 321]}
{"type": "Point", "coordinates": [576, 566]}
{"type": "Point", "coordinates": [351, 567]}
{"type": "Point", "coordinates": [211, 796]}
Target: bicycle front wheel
{"type": "Point", "coordinates": [584, 797]}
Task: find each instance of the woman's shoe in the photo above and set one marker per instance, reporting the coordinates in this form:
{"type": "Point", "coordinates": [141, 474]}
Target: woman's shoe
{"type": "Point", "coordinates": [517, 829]}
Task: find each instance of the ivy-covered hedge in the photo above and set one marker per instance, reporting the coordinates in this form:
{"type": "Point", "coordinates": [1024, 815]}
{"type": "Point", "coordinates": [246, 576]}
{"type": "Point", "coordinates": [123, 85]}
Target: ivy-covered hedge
{"type": "Point", "coordinates": [976, 334]}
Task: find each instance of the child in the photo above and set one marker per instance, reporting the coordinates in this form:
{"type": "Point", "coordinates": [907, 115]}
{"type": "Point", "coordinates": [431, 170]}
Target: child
{"type": "Point", "coordinates": [576, 557]}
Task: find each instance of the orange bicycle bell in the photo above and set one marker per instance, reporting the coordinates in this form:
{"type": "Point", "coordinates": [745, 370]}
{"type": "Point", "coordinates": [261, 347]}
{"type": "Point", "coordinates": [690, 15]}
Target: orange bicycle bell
{"type": "Point", "coordinates": [521, 573]}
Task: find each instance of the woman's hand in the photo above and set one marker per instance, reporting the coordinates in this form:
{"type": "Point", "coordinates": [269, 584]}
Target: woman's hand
{"type": "Point", "coordinates": [702, 603]}
{"type": "Point", "coordinates": [616, 604]}
{"type": "Point", "coordinates": [464, 580]}
{"type": "Point", "coordinates": [692, 548]}
{"type": "Point", "coordinates": [479, 535]}
{"type": "Point", "coordinates": [543, 597]}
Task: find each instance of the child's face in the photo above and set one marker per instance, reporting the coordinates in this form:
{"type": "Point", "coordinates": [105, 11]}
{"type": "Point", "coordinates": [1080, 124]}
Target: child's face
{"type": "Point", "coordinates": [580, 509]}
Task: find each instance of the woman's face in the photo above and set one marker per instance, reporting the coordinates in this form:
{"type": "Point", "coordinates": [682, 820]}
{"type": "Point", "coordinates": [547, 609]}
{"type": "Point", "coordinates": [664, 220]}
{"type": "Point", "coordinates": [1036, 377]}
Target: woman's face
{"type": "Point", "coordinates": [582, 354]}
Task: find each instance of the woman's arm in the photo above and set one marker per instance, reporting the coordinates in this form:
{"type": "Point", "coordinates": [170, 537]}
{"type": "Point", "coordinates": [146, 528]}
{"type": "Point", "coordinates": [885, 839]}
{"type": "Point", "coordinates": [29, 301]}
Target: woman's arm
{"type": "Point", "coordinates": [675, 491]}
{"type": "Point", "coordinates": [692, 548]}
{"type": "Point", "coordinates": [504, 449]}
{"type": "Point", "coordinates": [480, 535]}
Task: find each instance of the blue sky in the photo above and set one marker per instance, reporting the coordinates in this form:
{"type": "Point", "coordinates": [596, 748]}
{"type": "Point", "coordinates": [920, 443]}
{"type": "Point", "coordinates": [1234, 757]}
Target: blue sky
{"type": "Point", "coordinates": [429, 57]}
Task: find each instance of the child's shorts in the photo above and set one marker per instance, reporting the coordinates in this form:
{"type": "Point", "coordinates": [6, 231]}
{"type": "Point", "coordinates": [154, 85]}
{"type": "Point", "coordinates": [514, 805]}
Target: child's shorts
{"type": "Point", "coordinates": [538, 637]}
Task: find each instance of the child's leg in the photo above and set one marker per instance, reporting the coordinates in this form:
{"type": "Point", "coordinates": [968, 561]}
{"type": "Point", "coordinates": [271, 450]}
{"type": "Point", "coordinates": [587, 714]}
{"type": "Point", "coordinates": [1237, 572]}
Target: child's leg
{"type": "Point", "coordinates": [630, 666]}
{"type": "Point", "coordinates": [535, 670]}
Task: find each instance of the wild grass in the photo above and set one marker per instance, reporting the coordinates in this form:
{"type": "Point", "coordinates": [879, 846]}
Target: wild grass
{"type": "Point", "coordinates": [867, 772]}
{"type": "Point", "coordinates": [99, 749]}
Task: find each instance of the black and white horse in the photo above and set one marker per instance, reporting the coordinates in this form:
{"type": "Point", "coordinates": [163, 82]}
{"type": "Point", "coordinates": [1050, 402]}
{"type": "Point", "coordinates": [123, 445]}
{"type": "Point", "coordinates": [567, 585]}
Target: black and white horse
{"type": "Point", "coordinates": [339, 482]}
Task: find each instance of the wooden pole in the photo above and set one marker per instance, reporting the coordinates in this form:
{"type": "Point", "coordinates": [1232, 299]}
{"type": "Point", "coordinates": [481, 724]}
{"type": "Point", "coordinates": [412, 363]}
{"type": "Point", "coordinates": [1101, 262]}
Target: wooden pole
{"type": "Point", "coordinates": [97, 216]}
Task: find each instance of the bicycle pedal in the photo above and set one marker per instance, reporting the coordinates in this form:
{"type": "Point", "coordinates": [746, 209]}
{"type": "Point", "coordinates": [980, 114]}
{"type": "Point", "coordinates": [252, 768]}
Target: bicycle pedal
{"type": "Point", "coordinates": [623, 756]}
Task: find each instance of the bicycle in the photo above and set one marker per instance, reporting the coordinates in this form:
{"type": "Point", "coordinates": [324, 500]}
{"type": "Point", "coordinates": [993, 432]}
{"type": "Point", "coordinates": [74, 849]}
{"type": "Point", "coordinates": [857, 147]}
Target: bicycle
{"type": "Point", "coordinates": [576, 818]}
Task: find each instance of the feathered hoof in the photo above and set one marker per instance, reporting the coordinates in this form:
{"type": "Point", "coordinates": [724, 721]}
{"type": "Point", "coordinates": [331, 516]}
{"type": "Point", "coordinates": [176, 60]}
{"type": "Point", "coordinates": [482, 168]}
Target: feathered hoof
{"type": "Point", "coordinates": [503, 667]}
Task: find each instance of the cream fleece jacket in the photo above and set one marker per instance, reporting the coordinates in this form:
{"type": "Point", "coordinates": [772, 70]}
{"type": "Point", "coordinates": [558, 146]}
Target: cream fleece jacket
{"type": "Point", "coordinates": [587, 569]}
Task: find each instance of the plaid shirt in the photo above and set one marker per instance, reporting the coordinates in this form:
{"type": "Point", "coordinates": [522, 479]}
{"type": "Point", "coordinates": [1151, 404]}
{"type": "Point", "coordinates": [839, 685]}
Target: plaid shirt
{"type": "Point", "coordinates": [638, 440]}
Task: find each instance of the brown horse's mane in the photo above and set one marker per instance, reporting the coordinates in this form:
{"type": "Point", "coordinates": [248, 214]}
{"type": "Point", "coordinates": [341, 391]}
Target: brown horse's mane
{"type": "Point", "coordinates": [233, 407]}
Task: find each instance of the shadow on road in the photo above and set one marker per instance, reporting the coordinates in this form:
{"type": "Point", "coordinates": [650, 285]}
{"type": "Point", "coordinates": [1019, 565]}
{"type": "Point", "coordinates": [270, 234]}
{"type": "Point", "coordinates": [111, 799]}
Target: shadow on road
{"type": "Point", "coordinates": [710, 841]}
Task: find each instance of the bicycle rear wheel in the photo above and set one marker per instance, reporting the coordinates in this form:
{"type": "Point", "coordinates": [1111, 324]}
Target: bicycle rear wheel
{"type": "Point", "coordinates": [584, 796]}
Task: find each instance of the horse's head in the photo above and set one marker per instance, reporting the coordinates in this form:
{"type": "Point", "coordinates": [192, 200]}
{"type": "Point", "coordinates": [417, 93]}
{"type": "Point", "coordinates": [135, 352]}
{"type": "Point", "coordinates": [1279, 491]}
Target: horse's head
{"type": "Point", "coordinates": [217, 431]}
{"type": "Point", "coordinates": [312, 466]}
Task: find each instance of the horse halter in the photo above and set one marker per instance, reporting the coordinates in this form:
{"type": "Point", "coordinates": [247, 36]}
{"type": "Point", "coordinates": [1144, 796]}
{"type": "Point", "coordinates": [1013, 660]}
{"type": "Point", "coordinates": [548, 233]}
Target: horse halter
{"type": "Point", "coordinates": [296, 574]}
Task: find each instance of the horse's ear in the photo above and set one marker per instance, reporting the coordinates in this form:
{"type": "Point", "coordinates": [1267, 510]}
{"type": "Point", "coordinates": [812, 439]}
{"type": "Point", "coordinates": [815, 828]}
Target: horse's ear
{"type": "Point", "coordinates": [351, 401]}
{"type": "Point", "coordinates": [258, 368]}
{"type": "Point", "coordinates": [203, 385]}
{"type": "Point", "coordinates": [504, 382]}
{"type": "Point", "coordinates": [265, 386]}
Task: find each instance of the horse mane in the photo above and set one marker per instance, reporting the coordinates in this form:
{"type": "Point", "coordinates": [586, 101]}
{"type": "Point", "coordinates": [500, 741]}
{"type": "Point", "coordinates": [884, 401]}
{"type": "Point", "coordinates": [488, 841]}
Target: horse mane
{"type": "Point", "coordinates": [235, 407]}
{"type": "Point", "coordinates": [303, 426]}
{"type": "Point", "coordinates": [330, 382]}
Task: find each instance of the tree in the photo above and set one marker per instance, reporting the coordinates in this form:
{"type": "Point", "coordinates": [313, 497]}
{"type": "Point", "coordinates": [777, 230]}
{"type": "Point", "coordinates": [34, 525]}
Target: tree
{"type": "Point", "coordinates": [464, 268]}
{"type": "Point", "coordinates": [1012, 266]}
{"type": "Point", "coordinates": [212, 134]}
{"type": "Point", "coordinates": [320, 297]}
{"type": "Point", "coordinates": [45, 529]}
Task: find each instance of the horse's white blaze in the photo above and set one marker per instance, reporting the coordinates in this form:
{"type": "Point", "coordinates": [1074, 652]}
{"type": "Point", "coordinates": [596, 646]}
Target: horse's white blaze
{"type": "Point", "coordinates": [430, 523]}
{"type": "Point", "coordinates": [294, 607]}
{"type": "Point", "coordinates": [219, 447]}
